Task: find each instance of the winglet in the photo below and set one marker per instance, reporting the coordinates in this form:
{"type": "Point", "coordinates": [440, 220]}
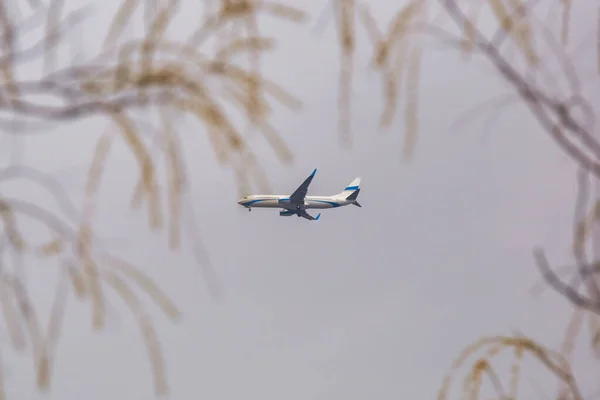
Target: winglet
{"type": "Point", "coordinates": [313, 173]}
{"type": "Point", "coordinates": [318, 215]}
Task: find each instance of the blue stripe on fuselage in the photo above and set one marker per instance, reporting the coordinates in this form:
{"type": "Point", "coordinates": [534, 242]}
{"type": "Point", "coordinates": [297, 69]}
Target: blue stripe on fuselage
{"type": "Point", "coordinates": [334, 204]}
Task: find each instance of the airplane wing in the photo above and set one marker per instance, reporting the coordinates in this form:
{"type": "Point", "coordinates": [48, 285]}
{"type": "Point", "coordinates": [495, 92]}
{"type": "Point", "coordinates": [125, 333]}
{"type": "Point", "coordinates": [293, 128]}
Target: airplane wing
{"type": "Point", "coordinates": [309, 217]}
{"type": "Point", "coordinates": [298, 196]}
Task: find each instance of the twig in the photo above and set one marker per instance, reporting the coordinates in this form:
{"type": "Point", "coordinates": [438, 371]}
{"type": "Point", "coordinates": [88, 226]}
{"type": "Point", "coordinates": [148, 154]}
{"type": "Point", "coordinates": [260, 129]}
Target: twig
{"type": "Point", "coordinates": [567, 291]}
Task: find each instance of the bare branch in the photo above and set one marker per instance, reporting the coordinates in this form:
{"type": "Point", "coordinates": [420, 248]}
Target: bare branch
{"type": "Point", "coordinates": [567, 291]}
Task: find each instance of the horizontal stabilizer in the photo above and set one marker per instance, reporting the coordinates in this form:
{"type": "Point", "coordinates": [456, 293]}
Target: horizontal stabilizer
{"type": "Point", "coordinates": [353, 196]}
{"type": "Point", "coordinates": [357, 204]}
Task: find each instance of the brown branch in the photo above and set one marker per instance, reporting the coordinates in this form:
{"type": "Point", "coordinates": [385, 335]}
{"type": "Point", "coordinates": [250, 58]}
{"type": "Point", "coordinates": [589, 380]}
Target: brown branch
{"type": "Point", "coordinates": [519, 12]}
{"type": "Point", "coordinates": [51, 185]}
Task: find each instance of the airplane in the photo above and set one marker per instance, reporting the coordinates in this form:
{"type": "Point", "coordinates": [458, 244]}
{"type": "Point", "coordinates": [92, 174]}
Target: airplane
{"type": "Point", "coordinates": [298, 202]}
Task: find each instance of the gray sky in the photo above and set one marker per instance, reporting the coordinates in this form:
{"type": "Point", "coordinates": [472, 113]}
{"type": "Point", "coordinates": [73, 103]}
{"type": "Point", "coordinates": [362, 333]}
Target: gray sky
{"type": "Point", "coordinates": [368, 302]}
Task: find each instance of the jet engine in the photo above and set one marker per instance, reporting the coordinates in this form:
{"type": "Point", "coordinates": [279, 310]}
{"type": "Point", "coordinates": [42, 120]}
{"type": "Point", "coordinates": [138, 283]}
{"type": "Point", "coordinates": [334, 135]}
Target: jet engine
{"type": "Point", "coordinates": [286, 213]}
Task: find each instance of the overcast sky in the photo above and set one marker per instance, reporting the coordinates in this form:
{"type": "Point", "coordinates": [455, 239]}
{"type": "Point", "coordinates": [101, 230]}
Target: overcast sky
{"type": "Point", "coordinates": [372, 302]}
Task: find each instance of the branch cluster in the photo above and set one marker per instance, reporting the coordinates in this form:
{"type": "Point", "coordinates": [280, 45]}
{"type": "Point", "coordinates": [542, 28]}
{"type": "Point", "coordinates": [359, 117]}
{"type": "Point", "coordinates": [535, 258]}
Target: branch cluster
{"type": "Point", "coordinates": [170, 78]}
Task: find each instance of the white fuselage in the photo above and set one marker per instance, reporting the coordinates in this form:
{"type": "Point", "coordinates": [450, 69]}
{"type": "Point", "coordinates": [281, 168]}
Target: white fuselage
{"type": "Point", "coordinates": [282, 201]}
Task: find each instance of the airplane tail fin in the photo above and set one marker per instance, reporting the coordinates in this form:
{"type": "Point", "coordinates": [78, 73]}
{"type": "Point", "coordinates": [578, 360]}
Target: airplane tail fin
{"type": "Point", "coordinates": [351, 188]}
{"type": "Point", "coordinates": [351, 192]}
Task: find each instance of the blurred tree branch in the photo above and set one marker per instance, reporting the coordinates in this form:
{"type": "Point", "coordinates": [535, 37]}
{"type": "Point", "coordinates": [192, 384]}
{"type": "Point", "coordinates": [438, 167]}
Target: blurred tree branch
{"type": "Point", "coordinates": [568, 290]}
{"type": "Point", "coordinates": [155, 74]}
{"type": "Point", "coordinates": [170, 78]}
{"type": "Point", "coordinates": [543, 75]}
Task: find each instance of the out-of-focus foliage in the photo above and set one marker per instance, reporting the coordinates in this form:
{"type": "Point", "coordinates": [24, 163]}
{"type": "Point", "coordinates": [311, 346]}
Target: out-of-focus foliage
{"type": "Point", "coordinates": [172, 78]}
{"type": "Point", "coordinates": [154, 74]}
{"type": "Point", "coordinates": [483, 367]}
{"type": "Point", "coordinates": [533, 55]}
